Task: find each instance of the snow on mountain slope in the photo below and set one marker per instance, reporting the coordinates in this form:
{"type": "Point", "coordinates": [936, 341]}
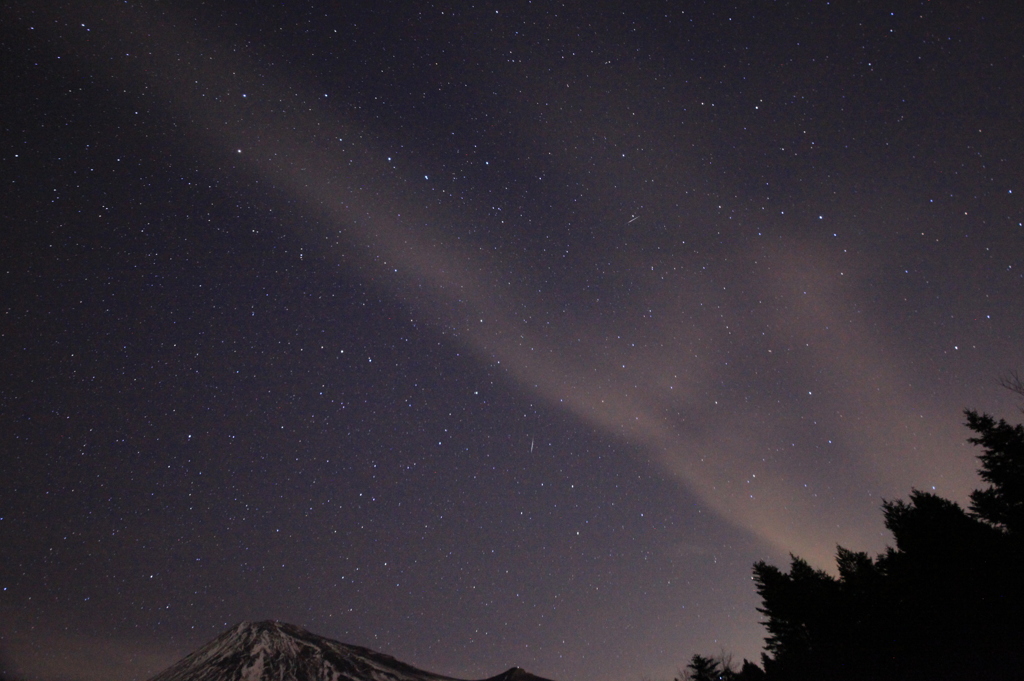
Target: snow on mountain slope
{"type": "Point", "coordinates": [275, 651]}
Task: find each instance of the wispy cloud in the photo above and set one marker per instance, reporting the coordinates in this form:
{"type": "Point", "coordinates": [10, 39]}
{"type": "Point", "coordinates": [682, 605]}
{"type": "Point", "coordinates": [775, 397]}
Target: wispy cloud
{"type": "Point", "coordinates": [684, 386]}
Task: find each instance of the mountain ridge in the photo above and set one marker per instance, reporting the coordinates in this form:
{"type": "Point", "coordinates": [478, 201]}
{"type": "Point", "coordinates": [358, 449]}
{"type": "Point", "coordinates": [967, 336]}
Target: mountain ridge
{"type": "Point", "coordinates": [277, 651]}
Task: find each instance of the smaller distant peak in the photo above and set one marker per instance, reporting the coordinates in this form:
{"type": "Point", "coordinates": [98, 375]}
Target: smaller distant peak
{"type": "Point", "coordinates": [516, 674]}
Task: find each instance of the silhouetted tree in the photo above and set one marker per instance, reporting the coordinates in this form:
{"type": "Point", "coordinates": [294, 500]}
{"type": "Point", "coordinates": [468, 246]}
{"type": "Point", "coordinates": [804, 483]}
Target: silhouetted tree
{"type": "Point", "coordinates": [709, 669]}
{"type": "Point", "coordinates": [800, 607]}
{"type": "Point", "coordinates": [701, 669]}
{"type": "Point", "coordinates": [750, 672]}
{"type": "Point", "coordinates": [720, 669]}
{"type": "Point", "coordinates": [945, 602]}
{"type": "Point", "coordinates": [1002, 466]}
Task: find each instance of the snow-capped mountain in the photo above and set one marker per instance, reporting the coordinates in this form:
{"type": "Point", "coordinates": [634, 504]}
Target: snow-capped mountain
{"type": "Point", "coordinates": [275, 651]}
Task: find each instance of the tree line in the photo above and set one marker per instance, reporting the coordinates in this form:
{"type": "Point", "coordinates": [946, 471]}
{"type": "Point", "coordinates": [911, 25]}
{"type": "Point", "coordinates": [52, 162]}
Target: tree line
{"type": "Point", "coordinates": [946, 602]}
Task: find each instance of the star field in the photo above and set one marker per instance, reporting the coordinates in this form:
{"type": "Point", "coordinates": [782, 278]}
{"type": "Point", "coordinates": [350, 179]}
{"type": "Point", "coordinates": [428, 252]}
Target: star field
{"type": "Point", "coordinates": [485, 335]}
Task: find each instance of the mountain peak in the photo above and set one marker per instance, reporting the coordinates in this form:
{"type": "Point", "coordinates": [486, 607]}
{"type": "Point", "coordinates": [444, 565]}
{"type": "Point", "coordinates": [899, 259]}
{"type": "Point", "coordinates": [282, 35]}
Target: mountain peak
{"type": "Point", "coordinates": [277, 651]}
{"type": "Point", "coordinates": [516, 674]}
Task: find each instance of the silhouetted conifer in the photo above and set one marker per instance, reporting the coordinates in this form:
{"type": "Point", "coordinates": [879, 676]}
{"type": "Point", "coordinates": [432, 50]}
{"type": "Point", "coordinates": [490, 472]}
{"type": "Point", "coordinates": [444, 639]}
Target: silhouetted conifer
{"type": "Point", "coordinates": [702, 669]}
{"type": "Point", "coordinates": [1002, 465]}
{"type": "Point", "coordinates": [750, 672]}
{"type": "Point", "coordinates": [945, 602]}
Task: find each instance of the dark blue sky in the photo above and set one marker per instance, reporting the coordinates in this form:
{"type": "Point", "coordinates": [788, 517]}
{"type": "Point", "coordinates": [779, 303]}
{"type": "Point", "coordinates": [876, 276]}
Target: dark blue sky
{"type": "Point", "coordinates": [490, 335]}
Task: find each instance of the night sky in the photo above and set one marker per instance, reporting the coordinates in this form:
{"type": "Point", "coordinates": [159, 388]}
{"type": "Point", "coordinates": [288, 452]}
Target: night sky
{"type": "Point", "coordinates": [485, 334]}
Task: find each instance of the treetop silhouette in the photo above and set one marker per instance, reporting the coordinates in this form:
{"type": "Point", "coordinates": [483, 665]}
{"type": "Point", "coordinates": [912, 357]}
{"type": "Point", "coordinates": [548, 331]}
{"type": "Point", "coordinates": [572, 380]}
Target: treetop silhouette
{"type": "Point", "coordinates": [945, 602]}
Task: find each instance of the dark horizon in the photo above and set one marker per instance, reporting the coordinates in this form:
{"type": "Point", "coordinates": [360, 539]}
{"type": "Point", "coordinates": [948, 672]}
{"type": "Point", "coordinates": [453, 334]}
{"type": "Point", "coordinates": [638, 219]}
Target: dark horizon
{"type": "Point", "coordinates": [485, 336]}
